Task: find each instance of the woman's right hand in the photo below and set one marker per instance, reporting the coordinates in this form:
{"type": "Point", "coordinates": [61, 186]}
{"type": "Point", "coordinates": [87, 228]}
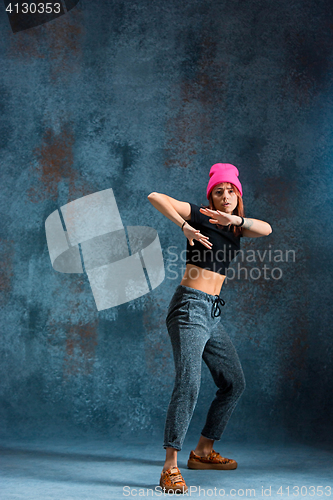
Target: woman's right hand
{"type": "Point", "coordinates": [194, 234]}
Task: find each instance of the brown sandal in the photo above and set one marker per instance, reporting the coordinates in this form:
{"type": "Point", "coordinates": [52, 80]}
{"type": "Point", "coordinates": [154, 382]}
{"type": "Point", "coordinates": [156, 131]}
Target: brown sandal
{"type": "Point", "coordinates": [211, 461]}
{"type": "Point", "coordinates": [172, 480]}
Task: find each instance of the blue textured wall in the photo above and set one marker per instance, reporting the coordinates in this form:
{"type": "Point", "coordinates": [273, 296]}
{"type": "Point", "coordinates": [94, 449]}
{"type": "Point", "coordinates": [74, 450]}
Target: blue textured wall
{"type": "Point", "coordinates": [145, 96]}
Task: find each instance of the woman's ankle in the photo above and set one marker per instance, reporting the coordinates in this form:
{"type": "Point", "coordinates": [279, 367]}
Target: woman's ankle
{"type": "Point", "coordinates": [169, 465]}
{"type": "Point", "coordinates": [170, 459]}
{"type": "Point", "coordinates": [202, 453]}
{"type": "Point", "coordinates": [204, 447]}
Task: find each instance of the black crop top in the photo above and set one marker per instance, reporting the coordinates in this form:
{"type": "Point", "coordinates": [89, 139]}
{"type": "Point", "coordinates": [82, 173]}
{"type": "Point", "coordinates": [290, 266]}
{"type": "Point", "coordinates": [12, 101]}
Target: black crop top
{"type": "Point", "coordinates": [225, 245]}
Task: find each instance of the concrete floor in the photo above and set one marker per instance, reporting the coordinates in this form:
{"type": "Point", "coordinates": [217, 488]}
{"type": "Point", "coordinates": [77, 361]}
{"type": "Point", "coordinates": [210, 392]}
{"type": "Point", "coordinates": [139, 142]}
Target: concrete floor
{"type": "Point", "coordinates": [98, 469]}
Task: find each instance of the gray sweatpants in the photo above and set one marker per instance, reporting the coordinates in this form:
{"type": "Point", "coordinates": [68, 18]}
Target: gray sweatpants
{"type": "Point", "coordinates": [194, 328]}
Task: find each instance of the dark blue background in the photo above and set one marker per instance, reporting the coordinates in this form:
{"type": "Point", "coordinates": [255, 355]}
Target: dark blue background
{"type": "Point", "coordinates": [145, 96]}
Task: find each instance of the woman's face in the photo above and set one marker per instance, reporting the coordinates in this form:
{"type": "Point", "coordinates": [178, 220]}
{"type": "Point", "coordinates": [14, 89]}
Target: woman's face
{"type": "Point", "coordinates": [224, 197]}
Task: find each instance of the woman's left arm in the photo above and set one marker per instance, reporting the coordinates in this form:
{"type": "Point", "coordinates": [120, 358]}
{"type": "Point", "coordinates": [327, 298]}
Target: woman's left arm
{"type": "Point", "coordinates": [253, 228]}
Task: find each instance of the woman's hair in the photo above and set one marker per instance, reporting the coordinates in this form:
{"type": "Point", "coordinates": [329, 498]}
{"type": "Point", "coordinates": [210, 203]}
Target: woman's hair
{"type": "Point", "coordinates": [239, 210]}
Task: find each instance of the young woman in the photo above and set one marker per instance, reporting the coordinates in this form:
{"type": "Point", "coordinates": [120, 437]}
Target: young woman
{"type": "Point", "coordinates": [193, 318]}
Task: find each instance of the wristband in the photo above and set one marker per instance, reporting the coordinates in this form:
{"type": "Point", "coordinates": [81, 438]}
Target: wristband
{"type": "Point", "coordinates": [239, 225]}
{"type": "Point", "coordinates": [183, 224]}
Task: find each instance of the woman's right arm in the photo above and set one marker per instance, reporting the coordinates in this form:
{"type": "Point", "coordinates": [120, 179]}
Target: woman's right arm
{"type": "Point", "coordinates": [178, 212]}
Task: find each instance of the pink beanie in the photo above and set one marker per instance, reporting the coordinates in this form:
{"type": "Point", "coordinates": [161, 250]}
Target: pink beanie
{"type": "Point", "coordinates": [223, 172]}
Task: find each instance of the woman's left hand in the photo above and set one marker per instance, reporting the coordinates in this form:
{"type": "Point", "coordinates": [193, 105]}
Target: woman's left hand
{"type": "Point", "coordinates": [218, 217]}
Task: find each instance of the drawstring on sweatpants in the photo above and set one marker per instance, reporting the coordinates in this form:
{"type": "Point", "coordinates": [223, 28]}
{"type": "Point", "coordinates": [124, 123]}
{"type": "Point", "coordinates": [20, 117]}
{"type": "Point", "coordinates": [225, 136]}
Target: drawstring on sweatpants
{"type": "Point", "coordinates": [216, 308]}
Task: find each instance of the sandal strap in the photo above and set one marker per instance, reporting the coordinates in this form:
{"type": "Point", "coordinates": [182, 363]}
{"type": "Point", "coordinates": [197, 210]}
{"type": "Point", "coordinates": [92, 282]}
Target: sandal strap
{"type": "Point", "coordinates": [215, 454]}
{"type": "Point", "coordinates": [175, 477]}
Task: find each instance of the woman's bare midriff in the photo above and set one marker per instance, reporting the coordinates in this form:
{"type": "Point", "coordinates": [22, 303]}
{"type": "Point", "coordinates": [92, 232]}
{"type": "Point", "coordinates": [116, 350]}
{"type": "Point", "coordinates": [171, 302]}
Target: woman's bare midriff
{"type": "Point", "coordinates": [202, 279]}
